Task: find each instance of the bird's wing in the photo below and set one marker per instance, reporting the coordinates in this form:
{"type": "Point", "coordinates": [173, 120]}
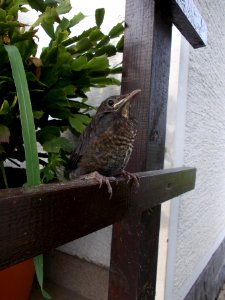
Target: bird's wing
{"type": "Point", "coordinates": [97, 126]}
{"type": "Point", "coordinates": [82, 145]}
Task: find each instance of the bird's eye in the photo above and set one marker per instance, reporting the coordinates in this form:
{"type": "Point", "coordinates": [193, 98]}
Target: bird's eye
{"type": "Point", "coordinates": [110, 102]}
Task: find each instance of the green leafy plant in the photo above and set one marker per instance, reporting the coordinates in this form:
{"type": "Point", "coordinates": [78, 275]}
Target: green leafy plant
{"type": "Point", "coordinates": [58, 80]}
{"type": "Point", "coordinates": [66, 69]}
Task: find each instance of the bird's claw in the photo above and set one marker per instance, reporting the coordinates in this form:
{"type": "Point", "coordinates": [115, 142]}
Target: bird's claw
{"type": "Point", "coordinates": [102, 179]}
{"type": "Point", "coordinates": [129, 176]}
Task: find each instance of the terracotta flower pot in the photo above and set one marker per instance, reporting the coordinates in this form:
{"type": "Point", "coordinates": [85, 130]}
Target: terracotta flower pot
{"type": "Point", "coordinates": [16, 281]}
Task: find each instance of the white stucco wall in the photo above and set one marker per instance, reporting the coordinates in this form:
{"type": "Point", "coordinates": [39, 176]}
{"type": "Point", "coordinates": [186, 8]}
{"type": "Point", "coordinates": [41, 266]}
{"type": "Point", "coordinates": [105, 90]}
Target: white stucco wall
{"type": "Point", "coordinates": [199, 216]}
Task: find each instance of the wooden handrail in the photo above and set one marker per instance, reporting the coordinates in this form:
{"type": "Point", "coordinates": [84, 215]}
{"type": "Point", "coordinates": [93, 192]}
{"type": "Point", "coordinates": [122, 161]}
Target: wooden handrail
{"type": "Point", "coordinates": [35, 220]}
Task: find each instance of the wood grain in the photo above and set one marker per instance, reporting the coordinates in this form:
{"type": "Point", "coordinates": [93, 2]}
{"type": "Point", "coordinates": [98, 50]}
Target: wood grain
{"type": "Point", "coordinates": [35, 220]}
{"type": "Point", "coordinates": [186, 17]}
{"type": "Point", "coordinates": [146, 66]}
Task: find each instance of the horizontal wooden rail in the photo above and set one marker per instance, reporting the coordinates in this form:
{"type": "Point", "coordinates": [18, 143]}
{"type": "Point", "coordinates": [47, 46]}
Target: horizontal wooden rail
{"type": "Point", "coordinates": [186, 17]}
{"type": "Point", "coordinates": [35, 220]}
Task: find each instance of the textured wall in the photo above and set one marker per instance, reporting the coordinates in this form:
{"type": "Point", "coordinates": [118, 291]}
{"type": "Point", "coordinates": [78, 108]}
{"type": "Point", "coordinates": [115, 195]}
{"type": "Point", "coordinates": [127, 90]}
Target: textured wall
{"type": "Point", "coordinates": [201, 213]}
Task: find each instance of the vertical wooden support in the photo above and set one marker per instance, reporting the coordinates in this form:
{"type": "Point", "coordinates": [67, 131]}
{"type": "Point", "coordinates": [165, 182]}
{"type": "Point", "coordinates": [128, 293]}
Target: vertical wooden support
{"type": "Point", "coordinates": [146, 66]}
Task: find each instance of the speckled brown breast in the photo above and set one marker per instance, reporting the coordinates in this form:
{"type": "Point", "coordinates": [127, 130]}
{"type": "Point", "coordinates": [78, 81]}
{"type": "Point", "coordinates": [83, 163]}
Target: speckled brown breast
{"type": "Point", "coordinates": [110, 146]}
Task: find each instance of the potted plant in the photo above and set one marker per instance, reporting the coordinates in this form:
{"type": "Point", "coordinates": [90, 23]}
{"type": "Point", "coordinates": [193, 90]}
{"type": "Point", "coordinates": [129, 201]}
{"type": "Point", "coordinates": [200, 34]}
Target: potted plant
{"type": "Point", "coordinates": [58, 82]}
{"type": "Point", "coordinates": [16, 281]}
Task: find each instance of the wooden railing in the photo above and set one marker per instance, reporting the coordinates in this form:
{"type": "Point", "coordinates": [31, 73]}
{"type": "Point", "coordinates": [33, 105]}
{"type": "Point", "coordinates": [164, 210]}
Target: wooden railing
{"type": "Point", "coordinates": [35, 220]}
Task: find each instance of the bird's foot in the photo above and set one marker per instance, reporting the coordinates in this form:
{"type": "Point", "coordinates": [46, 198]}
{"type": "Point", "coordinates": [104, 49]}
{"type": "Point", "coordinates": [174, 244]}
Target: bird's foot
{"type": "Point", "coordinates": [129, 176]}
{"type": "Point", "coordinates": [101, 179]}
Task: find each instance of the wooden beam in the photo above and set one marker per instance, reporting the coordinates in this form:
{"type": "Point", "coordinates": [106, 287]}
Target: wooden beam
{"type": "Point", "coordinates": [187, 18]}
{"type": "Point", "coordinates": [35, 220]}
{"type": "Point", "coordinates": [146, 65]}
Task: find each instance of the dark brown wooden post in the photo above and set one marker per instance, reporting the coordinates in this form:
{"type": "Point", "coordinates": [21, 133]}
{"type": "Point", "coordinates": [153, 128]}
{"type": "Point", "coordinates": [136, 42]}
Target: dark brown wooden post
{"type": "Point", "coordinates": [146, 66]}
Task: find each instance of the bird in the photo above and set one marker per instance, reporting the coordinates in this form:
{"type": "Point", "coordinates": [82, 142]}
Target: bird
{"type": "Point", "coordinates": [104, 148]}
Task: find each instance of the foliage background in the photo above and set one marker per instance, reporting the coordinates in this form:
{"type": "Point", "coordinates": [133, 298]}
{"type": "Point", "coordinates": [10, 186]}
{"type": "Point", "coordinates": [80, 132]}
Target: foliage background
{"type": "Point", "coordinates": [58, 81]}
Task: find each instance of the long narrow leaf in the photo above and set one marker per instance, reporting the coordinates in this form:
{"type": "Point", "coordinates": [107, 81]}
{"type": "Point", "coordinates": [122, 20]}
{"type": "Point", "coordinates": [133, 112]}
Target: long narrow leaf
{"type": "Point", "coordinates": [29, 137]}
{"type": "Point", "coordinates": [38, 264]}
{"type": "Point", "coordinates": [99, 16]}
{"type": "Point", "coordinates": [26, 116]}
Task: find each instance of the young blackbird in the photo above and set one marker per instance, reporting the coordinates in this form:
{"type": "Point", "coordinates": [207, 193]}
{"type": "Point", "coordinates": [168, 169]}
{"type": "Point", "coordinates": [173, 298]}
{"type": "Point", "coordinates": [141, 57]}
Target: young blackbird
{"type": "Point", "coordinates": [104, 148]}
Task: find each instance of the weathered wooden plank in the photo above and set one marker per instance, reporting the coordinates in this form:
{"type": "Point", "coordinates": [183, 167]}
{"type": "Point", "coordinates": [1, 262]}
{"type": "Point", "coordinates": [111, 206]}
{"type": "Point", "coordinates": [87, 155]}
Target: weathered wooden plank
{"type": "Point", "coordinates": [146, 66]}
{"type": "Point", "coordinates": [187, 18]}
{"type": "Point", "coordinates": [35, 220]}
{"type": "Point", "coordinates": [211, 280]}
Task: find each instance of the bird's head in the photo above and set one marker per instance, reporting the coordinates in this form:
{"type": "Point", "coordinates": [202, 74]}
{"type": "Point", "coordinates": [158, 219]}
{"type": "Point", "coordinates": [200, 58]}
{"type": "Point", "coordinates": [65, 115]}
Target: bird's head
{"type": "Point", "coordinates": [119, 104]}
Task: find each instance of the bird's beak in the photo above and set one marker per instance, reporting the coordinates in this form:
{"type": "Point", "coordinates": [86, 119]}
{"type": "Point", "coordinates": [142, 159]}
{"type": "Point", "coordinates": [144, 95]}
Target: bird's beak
{"type": "Point", "coordinates": [125, 99]}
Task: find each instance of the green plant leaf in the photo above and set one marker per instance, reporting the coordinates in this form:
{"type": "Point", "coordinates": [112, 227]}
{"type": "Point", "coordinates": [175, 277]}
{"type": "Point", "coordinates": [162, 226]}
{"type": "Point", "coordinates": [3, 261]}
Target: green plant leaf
{"type": "Point", "coordinates": [64, 58]}
{"type": "Point", "coordinates": [4, 134]}
{"type": "Point", "coordinates": [119, 45]}
{"type": "Point", "coordinates": [99, 63]}
{"type": "Point", "coordinates": [104, 41]}
{"type": "Point", "coordinates": [63, 7]}
{"type": "Point", "coordinates": [52, 2]}
{"type": "Point", "coordinates": [2, 15]}
{"type": "Point", "coordinates": [8, 26]}
{"type": "Point", "coordinates": [48, 16]}
{"type": "Point", "coordinates": [22, 36]}
{"type": "Point", "coordinates": [76, 19]}
{"type": "Point", "coordinates": [23, 9]}
{"type": "Point", "coordinates": [56, 144]}
{"type": "Point", "coordinates": [79, 122]}
{"type": "Point", "coordinates": [49, 29]}
{"type": "Point", "coordinates": [29, 137]}
{"type": "Point", "coordinates": [47, 174]}
{"type": "Point", "coordinates": [99, 16]}
{"type": "Point", "coordinates": [4, 109]}
{"type": "Point", "coordinates": [38, 5]}
{"type": "Point", "coordinates": [13, 11]}
{"type": "Point", "coordinates": [116, 70]}
{"type": "Point", "coordinates": [116, 30]}
{"type": "Point", "coordinates": [47, 133]}
{"type": "Point", "coordinates": [96, 35]}
{"type": "Point", "coordinates": [38, 114]}
{"type": "Point", "coordinates": [103, 81]}
{"type": "Point", "coordinates": [77, 105]}
{"type": "Point", "coordinates": [50, 171]}
{"type": "Point", "coordinates": [5, 78]}
{"type": "Point", "coordinates": [2, 168]}
{"type": "Point", "coordinates": [64, 24]}
{"type": "Point", "coordinates": [38, 265]}
{"type": "Point", "coordinates": [26, 116]}
{"type": "Point", "coordinates": [14, 102]}
{"type": "Point", "coordinates": [82, 45]}
{"type": "Point", "coordinates": [55, 97]}
{"type": "Point", "coordinates": [79, 63]}
{"type": "Point", "coordinates": [110, 50]}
